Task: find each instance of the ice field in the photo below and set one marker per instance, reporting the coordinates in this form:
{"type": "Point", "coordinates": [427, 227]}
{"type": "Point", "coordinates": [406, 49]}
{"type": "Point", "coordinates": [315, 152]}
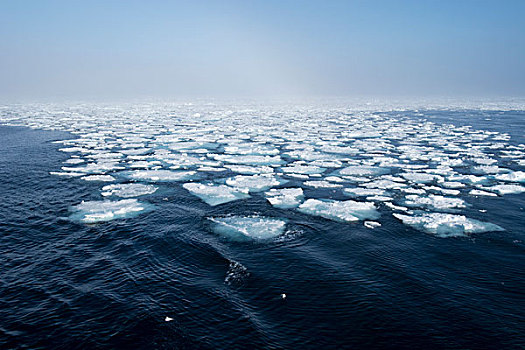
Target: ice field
{"type": "Point", "coordinates": [411, 167]}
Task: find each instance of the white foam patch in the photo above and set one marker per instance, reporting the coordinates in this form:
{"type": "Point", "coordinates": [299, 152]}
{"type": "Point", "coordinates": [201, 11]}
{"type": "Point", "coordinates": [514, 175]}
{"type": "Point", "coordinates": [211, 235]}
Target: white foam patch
{"type": "Point", "coordinates": [213, 194]}
{"type": "Point", "coordinates": [100, 211]}
{"type": "Point", "coordinates": [447, 225]}
{"type": "Point", "coordinates": [285, 197]}
{"type": "Point", "coordinates": [161, 175]}
{"type": "Point", "coordinates": [344, 211]}
{"type": "Point", "coordinates": [242, 228]}
{"type": "Point", "coordinates": [128, 190]}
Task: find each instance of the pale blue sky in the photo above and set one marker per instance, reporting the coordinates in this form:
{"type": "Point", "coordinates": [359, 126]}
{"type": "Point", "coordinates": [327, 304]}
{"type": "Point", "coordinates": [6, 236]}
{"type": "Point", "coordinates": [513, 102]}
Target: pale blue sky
{"type": "Point", "coordinates": [90, 49]}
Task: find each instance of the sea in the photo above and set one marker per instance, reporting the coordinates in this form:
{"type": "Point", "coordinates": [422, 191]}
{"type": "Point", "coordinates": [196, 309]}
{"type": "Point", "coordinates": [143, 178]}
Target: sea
{"type": "Point", "coordinates": [223, 225]}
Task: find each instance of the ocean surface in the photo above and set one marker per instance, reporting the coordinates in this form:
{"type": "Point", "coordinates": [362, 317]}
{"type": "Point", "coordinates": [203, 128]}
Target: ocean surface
{"type": "Point", "coordinates": [166, 226]}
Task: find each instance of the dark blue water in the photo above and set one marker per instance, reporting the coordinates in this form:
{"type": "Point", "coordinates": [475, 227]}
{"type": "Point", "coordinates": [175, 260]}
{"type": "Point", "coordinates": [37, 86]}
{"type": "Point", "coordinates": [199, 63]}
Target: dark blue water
{"type": "Point", "coordinates": [65, 285]}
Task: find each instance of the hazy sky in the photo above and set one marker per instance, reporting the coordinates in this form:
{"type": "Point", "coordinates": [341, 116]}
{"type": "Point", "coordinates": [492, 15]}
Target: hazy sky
{"type": "Point", "coordinates": [90, 49]}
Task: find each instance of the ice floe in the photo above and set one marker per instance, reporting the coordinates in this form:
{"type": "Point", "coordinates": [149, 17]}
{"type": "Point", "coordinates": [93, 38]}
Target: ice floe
{"type": "Point", "coordinates": [285, 197]}
{"type": "Point", "coordinates": [345, 211]}
{"type": "Point", "coordinates": [215, 194]}
{"type": "Point", "coordinates": [128, 190]}
{"type": "Point", "coordinates": [242, 228]}
{"type": "Point", "coordinates": [99, 211]}
{"type": "Point", "coordinates": [447, 225]}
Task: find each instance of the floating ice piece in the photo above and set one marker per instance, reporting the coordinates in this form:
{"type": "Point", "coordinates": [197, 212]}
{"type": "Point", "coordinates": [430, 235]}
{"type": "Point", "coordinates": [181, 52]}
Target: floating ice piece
{"type": "Point", "coordinates": [242, 228]}
{"type": "Point", "coordinates": [168, 319]}
{"type": "Point", "coordinates": [248, 159]}
{"type": "Point", "coordinates": [421, 177]}
{"type": "Point", "coordinates": [363, 192]}
{"type": "Point", "coordinates": [362, 170]}
{"type": "Point", "coordinates": [213, 194]}
{"type": "Point", "coordinates": [447, 225]}
{"type": "Point", "coordinates": [161, 175]}
{"type": "Point", "coordinates": [103, 178]}
{"type": "Point", "coordinates": [514, 176]}
{"type": "Point", "coordinates": [66, 173]}
{"type": "Point", "coordinates": [505, 189]}
{"type": "Point", "coordinates": [249, 170]}
{"type": "Point", "coordinates": [322, 184]}
{"type": "Point", "coordinates": [255, 183]}
{"type": "Point", "coordinates": [379, 199]}
{"type": "Point", "coordinates": [128, 190]}
{"type": "Point", "coordinates": [371, 224]}
{"type": "Point", "coordinates": [344, 211]}
{"type": "Point", "coordinates": [303, 169]}
{"type": "Point", "coordinates": [434, 202]}
{"type": "Point", "coordinates": [475, 192]}
{"type": "Point", "coordinates": [98, 211]}
{"type": "Point", "coordinates": [285, 197]}
{"type": "Point", "coordinates": [74, 161]}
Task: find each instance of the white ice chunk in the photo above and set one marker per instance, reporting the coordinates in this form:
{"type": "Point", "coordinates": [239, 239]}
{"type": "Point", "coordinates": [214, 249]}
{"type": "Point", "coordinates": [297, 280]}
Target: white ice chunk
{"type": "Point", "coordinates": [214, 194]}
{"type": "Point", "coordinates": [98, 211]}
{"type": "Point", "coordinates": [285, 197]}
{"type": "Point", "coordinates": [447, 225]}
{"type": "Point", "coordinates": [161, 175]}
{"type": "Point", "coordinates": [372, 224]}
{"type": "Point", "coordinates": [363, 192]}
{"type": "Point", "coordinates": [128, 190]}
{"type": "Point", "coordinates": [255, 183]}
{"type": "Point", "coordinates": [475, 192]}
{"type": "Point", "coordinates": [514, 176]}
{"type": "Point", "coordinates": [242, 228]}
{"type": "Point", "coordinates": [103, 178]}
{"type": "Point", "coordinates": [344, 211]}
{"type": "Point", "coordinates": [362, 170]}
{"type": "Point", "coordinates": [434, 202]}
{"type": "Point", "coordinates": [322, 184]}
{"type": "Point", "coordinates": [505, 189]}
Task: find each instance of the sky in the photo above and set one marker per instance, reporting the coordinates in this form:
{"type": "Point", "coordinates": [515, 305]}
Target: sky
{"type": "Point", "coordinates": [169, 49]}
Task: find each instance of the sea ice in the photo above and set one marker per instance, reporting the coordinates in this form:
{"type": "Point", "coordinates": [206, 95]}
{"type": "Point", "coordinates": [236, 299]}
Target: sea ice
{"type": "Point", "coordinates": [98, 211]}
{"type": "Point", "coordinates": [345, 211]}
{"type": "Point", "coordinates": [161, 175]}
{"type": "Point", "coordinates": [447, 225]}
{"type": "Point", "coordinates": [128, 190]}
{"type": "Point", "coordinates": [434, 202]}
{"type": "Point", "coordinates": [255, 183]}
{"type": "Point", "coordinates": [214, 194]}
{"type": "Point", "coordinates": [285, 197]}
{"type": "Point", "coordinates": [242, 228]}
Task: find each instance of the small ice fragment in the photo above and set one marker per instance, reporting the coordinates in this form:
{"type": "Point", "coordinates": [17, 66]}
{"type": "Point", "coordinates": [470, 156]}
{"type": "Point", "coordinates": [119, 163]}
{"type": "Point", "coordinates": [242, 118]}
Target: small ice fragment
{"type": "Point", "coordinates": [168, 319]}
{"type": "Point", "coordinates": [371, 224]}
